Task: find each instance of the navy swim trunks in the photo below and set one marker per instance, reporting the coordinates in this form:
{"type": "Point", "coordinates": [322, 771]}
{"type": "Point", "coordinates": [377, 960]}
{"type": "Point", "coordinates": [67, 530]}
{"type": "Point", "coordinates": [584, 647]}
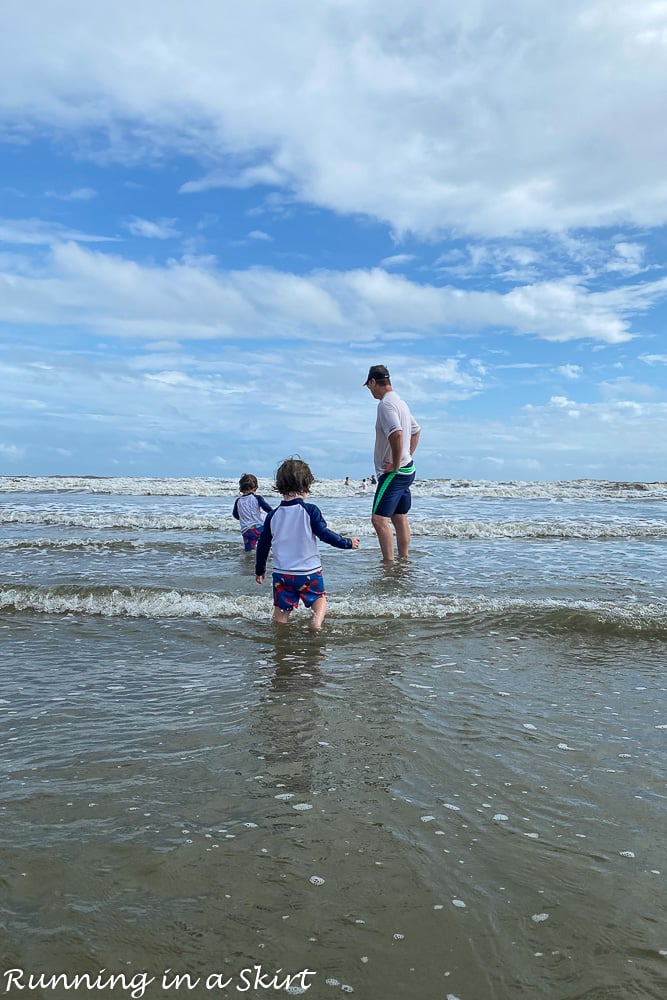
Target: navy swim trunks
{"type": "Point", "coordinates": [392, 495]}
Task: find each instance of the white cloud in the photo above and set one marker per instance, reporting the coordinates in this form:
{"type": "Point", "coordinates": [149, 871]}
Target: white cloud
{"type": "Point", "coordinates": [507, 262]}
{"type": "Point", "coordinates": [570, 371]}
{"type": "Point", "coordinates": [258, 234]}
{"type": "Point", "coordinates": [243, 177]}
{"type": "Point", "coordinates": [38, 232]}
{"type": "Point", "coordinates": [111, 296]}
{"type": "Point", "coordinates": [563, 439]}
{"type": "Point", "coordinates": [397, 260]}
{"type": "Point", "coordinates": [629, 258]}
{"type": "Point", "coordinates": [653, 359]}
{"type": "Point", "coordinates": [429, 117]}
{"type": "Point", "coordinates": [187, 407]}
{"type": "Point", "coordinates": [162, 229]}
{"type": "Point", "coordinates": [141, 447]}
{"type": "Point", "coordinates": [77, 194]}
{"type": "Point", "coordinates": [625, 388]}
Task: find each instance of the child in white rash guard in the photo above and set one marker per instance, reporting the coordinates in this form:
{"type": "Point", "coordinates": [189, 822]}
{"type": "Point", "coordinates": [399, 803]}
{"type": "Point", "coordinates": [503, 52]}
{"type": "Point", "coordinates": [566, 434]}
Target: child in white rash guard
{"type": "Point", "coordinates": [248, 510]}
{"type": "Point", "coordinates": [292, 530]}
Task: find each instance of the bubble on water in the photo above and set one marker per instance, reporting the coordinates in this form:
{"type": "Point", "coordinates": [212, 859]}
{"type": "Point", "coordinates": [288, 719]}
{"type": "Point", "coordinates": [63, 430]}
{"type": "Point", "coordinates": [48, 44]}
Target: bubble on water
{"type": "Point", "coordinates": [251, 826]}
{"type": "Point", "coordinates": [347, 989]}
{"type": "Point", "coordinates": [332, 982]}
{"type": "Point", "coordinates": [427, 819]}
{"type": "Point", "coordinates": [399, 937]}
{"type": "Point", "coordinates": [459, 903]}
{"type": "Point", "coordinates": [500, 818]}
{"type": "Point", "coordinates": [663, 952]}
{"type": "Point", "coordinates": [627, 854]}
{"type": "Point", "coordinates": [452, 996]}
{"type": "Point", "coordinates": [439, 833]}
{"type": "Point", "coordinates": [625, 756]}
{"type": "Point", "coordinates": [504, 694]}
{"type": "Point", "coordinates": [302, 806]}
{"type": "Point", "coordinates": [537, 918]}
{"type": "Point", "coordinates": [529, 725]}
{"type": "Point", "coordinates": [296, 989]}
{"type": "Point", "coordinates": [364, 959]}
{"type": "Point", "coordinates": [438, 906]}
{"type": "Point", "coordinates": [450, 805]}
{"type": "Point", "coordinates": [285, 795]}
{"type": "Point", "coordinates": [533, 836]}
{"type": "Point", "coordinates": [564, 746]}
{"type": "Point", "coordinates": [317, 880]}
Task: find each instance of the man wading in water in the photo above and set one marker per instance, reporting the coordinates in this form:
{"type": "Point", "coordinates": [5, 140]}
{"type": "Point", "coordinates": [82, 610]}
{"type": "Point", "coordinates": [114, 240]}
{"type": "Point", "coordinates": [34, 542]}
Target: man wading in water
{"type": "Point", "coordinates": [396, 438]}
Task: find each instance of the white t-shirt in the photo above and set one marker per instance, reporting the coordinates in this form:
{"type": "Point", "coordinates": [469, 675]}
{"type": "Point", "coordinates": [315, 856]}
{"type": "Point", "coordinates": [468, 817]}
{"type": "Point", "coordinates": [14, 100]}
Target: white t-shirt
{"type": "Point", "coordinates": [393, 414]}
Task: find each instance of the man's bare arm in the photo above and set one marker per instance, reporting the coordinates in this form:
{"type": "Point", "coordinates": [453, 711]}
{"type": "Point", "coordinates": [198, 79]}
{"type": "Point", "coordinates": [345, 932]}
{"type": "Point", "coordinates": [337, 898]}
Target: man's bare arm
{"type": "Point", "coordinates": [396, 445]}
{"type": "Point", "coordinates": [414, 441]}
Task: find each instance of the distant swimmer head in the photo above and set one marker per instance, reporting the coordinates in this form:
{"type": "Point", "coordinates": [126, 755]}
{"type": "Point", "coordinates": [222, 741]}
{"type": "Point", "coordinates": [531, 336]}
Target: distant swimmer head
{"type": "Point", "coordinates": [378, 373]}
{"type": "Point", "coordinates": [294, 476]}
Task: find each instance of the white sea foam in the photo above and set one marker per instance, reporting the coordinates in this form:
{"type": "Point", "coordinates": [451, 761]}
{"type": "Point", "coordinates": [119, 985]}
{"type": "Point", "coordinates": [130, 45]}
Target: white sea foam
{"type": "Point", "coordinates": [584, 529]}
{"type": "Point", "coordinates": [152, 602]}
{"type": "Point", "coordinates": [579, 489]}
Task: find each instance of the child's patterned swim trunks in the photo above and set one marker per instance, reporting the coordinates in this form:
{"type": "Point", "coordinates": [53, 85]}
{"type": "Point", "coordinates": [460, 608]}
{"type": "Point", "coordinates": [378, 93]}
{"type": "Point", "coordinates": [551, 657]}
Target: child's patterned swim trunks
{"type": "Point", "coordinates": [290, 588]}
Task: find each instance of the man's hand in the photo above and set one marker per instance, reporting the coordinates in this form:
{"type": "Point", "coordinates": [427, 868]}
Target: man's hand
{"type": "Point", "coordinates": [355, 543]}
{"type": "Point", "coordinates": [260, 579]}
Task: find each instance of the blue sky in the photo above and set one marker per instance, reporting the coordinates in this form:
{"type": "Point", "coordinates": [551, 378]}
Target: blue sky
{"type": "Point", "coordinates": [214, 219]}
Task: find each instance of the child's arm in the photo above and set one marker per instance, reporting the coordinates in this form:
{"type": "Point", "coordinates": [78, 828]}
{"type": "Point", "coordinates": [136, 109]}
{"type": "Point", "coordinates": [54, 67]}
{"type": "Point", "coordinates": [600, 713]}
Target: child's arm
{"type": "Point", "coordinates": [262, 551]}
{"type": "Point", "coordinates": [263, 504]}
{"type": "Point", "coordinates": [319, 526]}
{"type": "Point", "coordinates": [235, 512]}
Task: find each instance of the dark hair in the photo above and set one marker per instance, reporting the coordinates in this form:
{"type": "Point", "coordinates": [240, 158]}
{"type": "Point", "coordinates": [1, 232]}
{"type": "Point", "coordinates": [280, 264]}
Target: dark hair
{"type": "Point", "coordinates": [248, 482]}
{"type": "Point", "coordinates": [294, 476]}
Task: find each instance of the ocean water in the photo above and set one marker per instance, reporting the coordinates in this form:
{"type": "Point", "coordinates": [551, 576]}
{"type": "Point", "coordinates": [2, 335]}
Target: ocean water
{"type": "Point", "coordinates": [457, 789]}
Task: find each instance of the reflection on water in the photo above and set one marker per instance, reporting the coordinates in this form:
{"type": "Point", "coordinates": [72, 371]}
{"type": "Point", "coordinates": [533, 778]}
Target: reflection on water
{"type": "Point", "coordinates": [406, 808]}
{"type": "Point", "coordinates": [284, 725]}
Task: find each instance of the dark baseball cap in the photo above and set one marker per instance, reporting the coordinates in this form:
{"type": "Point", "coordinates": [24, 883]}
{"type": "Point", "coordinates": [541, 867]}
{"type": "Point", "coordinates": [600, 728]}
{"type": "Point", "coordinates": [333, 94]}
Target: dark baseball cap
{"type": "Point", "coordinates": [377, 372]}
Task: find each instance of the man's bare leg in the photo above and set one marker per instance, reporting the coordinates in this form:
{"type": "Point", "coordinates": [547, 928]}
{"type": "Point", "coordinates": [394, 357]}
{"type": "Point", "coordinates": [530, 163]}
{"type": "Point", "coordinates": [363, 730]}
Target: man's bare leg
{"type": "Point", "coordinates": [319, 609]}
{"type": "Point", "coordinates": [402, 528]}
{"type": "Point", "coordinates": [385, 535]}
{"type": "Point", "coordinates": [280, 617]}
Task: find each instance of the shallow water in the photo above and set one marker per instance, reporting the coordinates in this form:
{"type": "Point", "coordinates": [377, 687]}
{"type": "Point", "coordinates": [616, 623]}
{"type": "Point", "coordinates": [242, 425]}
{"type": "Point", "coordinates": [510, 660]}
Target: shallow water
{"type": "Point", "coordinates": [457, 789]}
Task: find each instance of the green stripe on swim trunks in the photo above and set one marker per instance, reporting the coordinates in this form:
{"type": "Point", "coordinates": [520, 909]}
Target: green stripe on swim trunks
{"type": "Point", "coordinates": [406, 470]}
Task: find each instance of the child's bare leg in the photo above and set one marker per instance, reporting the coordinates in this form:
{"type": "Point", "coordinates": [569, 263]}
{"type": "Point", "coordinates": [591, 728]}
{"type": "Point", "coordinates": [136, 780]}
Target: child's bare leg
{"type": "Point", "coordinates": [319, 609]}
{"type": "Point", "coordinates": [280, 617]}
